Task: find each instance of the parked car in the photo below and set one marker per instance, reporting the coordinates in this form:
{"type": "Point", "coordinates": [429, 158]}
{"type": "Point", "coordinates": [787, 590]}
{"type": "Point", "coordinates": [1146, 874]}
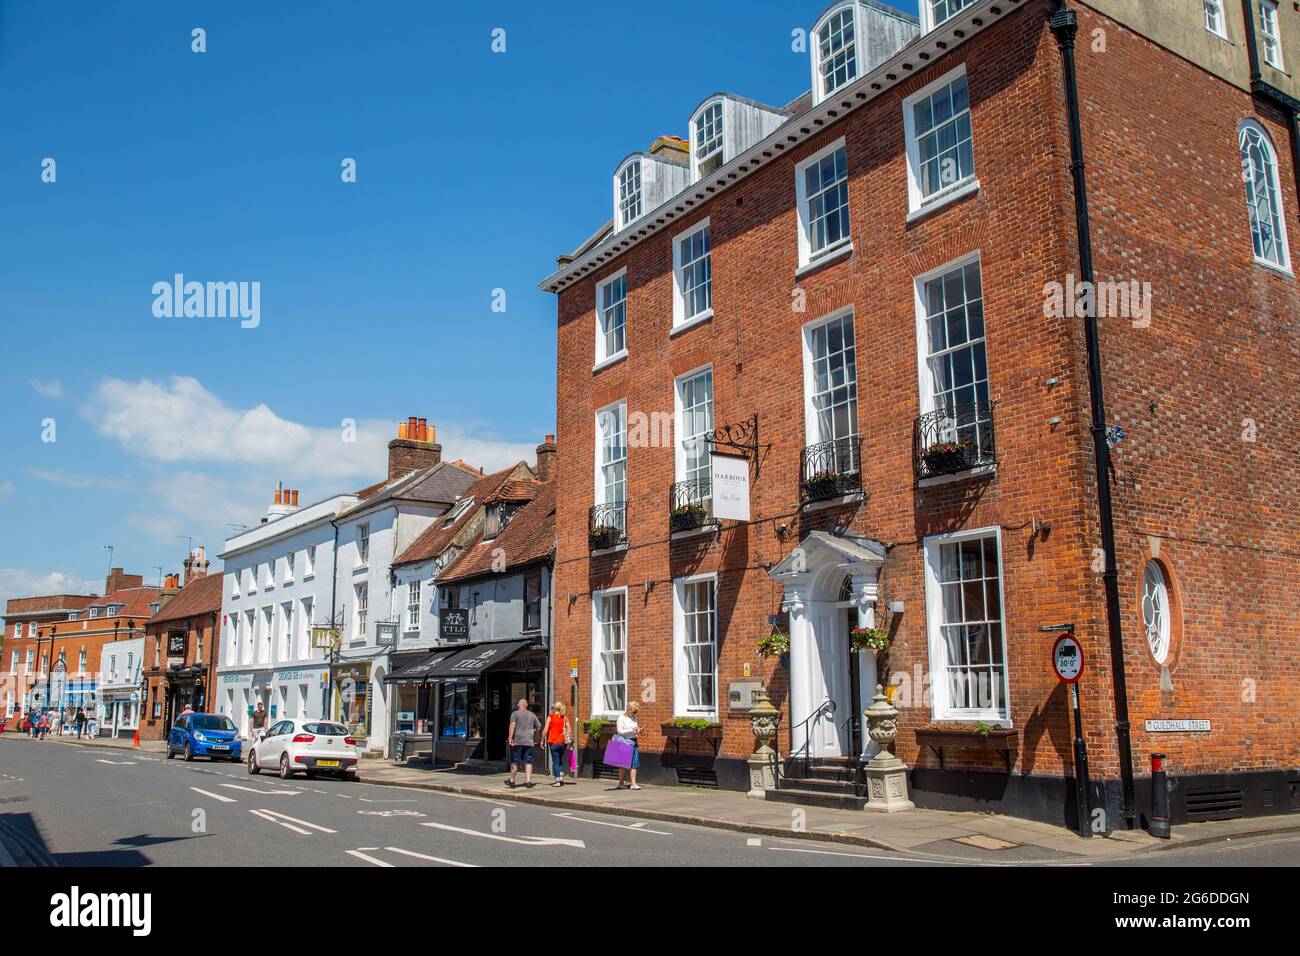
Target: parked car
{"type": "Point", "coordinates": [305, 745]}
{"type": "Point", "coordinates": [214, 736]}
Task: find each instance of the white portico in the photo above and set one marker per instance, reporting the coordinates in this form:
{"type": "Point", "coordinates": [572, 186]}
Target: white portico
{"type": "Point", "coordinates": [830, 585]}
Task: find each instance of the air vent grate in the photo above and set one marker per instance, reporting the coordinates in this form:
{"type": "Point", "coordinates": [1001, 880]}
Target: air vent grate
{"type": "Point", "coordinates": [697, 777]}
{"type": "Point", "coordinates": [1224, 803]}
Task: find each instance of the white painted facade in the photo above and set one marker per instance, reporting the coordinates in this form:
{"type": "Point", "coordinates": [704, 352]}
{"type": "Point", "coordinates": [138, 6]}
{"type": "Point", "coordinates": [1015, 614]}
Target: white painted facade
{"type": "Point", "coordinates": [120, 693]}
{"type": "Point", "coordinates": [278, 585]}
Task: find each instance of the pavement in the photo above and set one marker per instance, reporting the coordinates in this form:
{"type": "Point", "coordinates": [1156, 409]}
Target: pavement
{"type": "Point", "coordinates": [941, 834]}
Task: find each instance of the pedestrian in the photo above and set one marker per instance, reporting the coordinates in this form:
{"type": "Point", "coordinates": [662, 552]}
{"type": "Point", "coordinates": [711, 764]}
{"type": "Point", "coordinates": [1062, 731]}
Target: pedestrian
{"type": "Point", "coordinates": [188, 710]}
{"type": "Point", "coordinates": [558, 737]}
{"type": "Point", "coordinates": [257, 723]}
{"type": "Point", "coordinates": [523, 731]}
{"type": "Point", "coordinates": [81, 722]}
{"type": "Point", "coordinates": [628, 728]}
{"type": "Point", "coordinates": [42, 725]}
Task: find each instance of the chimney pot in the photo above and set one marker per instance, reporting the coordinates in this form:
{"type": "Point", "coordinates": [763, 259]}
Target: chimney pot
{"type": "Point", "coordinates": [402, 430]}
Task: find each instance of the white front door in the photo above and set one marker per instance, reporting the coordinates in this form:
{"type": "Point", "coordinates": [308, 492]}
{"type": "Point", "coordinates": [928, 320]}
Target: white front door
{"type": "Point", "coordinates": [819, 672]}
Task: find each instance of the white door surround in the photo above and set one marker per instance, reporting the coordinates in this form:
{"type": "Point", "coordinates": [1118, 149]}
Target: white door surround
{"type": "Point", "coordinates": [812, 576]}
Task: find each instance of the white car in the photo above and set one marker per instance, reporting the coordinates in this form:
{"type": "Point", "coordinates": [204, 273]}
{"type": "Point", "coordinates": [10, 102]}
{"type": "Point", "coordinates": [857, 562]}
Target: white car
{"type": "Point", "coordinates": [305, 745]}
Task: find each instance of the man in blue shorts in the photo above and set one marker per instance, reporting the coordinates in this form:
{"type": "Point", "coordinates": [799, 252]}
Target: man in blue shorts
{"type": "Point", "coordinates": [523, 729]}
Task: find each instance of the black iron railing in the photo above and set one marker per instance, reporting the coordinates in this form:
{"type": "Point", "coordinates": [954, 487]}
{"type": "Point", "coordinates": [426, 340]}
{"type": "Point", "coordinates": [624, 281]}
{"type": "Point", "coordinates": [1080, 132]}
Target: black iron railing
{"type": "Point", "coordinates": [831, 469]}
{"type": "Point", "coordinates": [690, 505]}
{"type": "Point", "coordinates": [953, 440]}
{"type": "Point", "coordinates": [607, 525]}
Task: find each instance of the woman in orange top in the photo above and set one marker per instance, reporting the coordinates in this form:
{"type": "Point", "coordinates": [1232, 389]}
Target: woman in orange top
{"type": "Point", "coordinates": [558, 736]}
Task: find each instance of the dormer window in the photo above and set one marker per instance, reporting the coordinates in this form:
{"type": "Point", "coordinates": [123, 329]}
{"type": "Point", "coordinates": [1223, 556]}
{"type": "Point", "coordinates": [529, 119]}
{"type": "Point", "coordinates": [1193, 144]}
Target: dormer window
{"type": "Point", "coordinates": [708, 153]}
{"type": "Point", "coordinates": [94, 612]}
{"type": "Point", "coordinates": [628, 199]}
{"type": "Point", "coordinates": [496, 517]}
{"type": "Point", "coordinates": [836, 51]}
{"type": "Point", "coordinates": [935, 12]}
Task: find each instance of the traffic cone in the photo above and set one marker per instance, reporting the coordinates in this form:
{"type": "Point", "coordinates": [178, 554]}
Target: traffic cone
{"type": "Point", "coordinates": [135, 743]}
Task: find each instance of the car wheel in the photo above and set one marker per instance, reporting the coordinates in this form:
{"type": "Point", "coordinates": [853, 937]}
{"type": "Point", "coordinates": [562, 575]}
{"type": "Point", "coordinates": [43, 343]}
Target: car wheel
{"type": "Point", "coordinates": [171, 754]}
{"type": "Point", "coordinates": [285, 772]}
{"type": "Point", "coordinates": [189, 754]}
{"type": "Point", "coordinates": [253, 768]}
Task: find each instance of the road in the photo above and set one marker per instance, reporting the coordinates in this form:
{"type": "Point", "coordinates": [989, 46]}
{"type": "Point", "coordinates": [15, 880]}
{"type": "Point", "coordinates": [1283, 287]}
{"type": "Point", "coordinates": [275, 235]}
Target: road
{"type": "Point", "coordinates": [73, 805]}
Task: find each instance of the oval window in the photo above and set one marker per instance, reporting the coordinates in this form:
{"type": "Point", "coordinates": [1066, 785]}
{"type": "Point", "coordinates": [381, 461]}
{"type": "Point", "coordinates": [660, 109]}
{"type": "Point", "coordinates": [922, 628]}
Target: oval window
{"type": "Point", "coordinates": [1155, 610]}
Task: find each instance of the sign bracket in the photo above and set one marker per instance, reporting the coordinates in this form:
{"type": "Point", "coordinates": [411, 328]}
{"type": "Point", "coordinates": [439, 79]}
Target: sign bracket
{"type": "Point", "coordinates": [742, 437]}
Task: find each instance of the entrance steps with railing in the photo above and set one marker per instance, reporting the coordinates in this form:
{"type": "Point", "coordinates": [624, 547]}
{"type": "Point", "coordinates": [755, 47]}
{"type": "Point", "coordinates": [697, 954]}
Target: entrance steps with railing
{"type": "Point", "coordinates": [836, 782]}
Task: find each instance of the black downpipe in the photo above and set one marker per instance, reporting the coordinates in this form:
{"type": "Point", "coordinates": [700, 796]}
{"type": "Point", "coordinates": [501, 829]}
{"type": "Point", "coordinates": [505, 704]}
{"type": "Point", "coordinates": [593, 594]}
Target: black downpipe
{"type": "Point", "coordinates": [1064, 23]}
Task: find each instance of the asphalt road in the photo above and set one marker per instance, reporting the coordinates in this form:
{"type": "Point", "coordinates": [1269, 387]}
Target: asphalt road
{"type": "Point", "coordinates": [74, 805]}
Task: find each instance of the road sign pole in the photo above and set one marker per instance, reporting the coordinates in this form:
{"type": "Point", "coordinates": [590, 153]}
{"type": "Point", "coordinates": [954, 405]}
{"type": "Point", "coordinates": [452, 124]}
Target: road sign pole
{"type": "Point", "coordinates": [1080, 765]}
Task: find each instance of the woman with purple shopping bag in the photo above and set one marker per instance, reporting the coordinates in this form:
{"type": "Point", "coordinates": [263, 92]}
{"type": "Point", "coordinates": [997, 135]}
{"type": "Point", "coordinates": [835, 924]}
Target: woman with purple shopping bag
{"type": "Point", "coordinates": [628, 729]}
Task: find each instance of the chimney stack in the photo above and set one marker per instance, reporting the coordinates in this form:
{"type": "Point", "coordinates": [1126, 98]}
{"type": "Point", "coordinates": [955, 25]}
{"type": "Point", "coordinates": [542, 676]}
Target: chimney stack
{"type": "Point", "coordinates": [116, 580]}
{"type": "Point", "coordinates": [196, 566]}
{"type": "Point", "coordinates": [545, 469]}
{"type": "Point", "coordinates": [285, 502]}
{"type": "Point", "coordinates": [415, 447]}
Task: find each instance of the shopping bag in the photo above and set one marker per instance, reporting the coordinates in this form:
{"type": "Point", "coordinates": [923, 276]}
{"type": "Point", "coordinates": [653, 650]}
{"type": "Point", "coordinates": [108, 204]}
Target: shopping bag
{"type": "Point", "coordinates": [573, 761]}
{"type": "Point", "coordinates": [618, 753]}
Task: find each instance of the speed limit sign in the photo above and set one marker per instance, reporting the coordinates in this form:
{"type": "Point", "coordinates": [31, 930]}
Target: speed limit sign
{"type": "Point", "coordinates": [1067, 658]}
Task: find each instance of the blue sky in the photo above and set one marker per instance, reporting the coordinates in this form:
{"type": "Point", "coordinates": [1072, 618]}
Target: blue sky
{"type": "Point", "coordinates": [474, 169]}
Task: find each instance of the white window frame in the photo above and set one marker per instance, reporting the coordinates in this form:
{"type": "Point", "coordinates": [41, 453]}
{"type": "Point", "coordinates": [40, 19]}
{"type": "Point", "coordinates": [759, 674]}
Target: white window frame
{"type": "Point", "coordinates": [680, 304]}
{"type": "Point", "coordinates": [285, 643]}
{"type": "Point", "coordinates": [679, 423]}
{"type": "Point", "coordinates": [248, 652]}
{"type": "Point", "coordinates": [13, 662]}
{"type": "Point", "coordinates": [924, 385]}
{"type": "Point", "coordinates": [232, 640]}
{"type": "Point", "coordinates": [363, 544]}
{"type": "Point", "coordinates": [1216, 23]}
{"type": "Point", "coordinates": [1275, 186]}
{"type": "Point", "coordinates": [820, 92]}
{"type": "Point", "coordinates": [940, 705]}
{"type": "Point", "coordinates": [305, 608]}
{"type": "Point", "coordinates": [928, 21]}
{"type": "Point", "coordinates": [843, 246]}
{"type": "Point", "coordinates": [681, 690]}
{"type": "Point", "coordinates": [1270, 31]}
{"type": "Point", "coordinates": [812, 432]}
{"type": "Point", "coordinates": [413, 590]}
{"type": "Point", "coordinates": [266, 621]}
{"type": "Point", "coordinates": [621, 408]}
{"type": "Point", "coordinates": [621, 220]}
{"type": "Point", "coordinates": [597, 649]}
{"type": "Point", "coordinates": [360, 610]}
{"type": "Point", "coordinates": [918, 204]}
{"type": "Point", "coordinates": [720, 151]}
{"type": "Point", "coordinates": [604, 358]}
{"type": "Point", "coordinates": [1159, 644]}
{"type": "Point", "coordinates": [288, 567]}
{"type": "Point", "coordinates": [309, 562]}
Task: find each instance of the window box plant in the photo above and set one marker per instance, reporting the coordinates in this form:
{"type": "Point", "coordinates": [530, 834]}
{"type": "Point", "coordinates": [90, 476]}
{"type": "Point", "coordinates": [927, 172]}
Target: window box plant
{"type": "Point", "coordinates": [947, 457]}
{"type": "Point", "coordinates": [605, 536]}
{"type": "Point", "coordinates": [598, 729]}
{"type": "Point", "coordinates": [974, 736]}
{"type": "Point", "coordinates": [680, 727]}
{"type": "Point", "coordinates": [688, 517]}
{"type": "Point", "coordinates": [775, 644]}
{"type": "Point", "coordinates": [873, 639]}
{"type": "Point", "coordinates": [822, 485]}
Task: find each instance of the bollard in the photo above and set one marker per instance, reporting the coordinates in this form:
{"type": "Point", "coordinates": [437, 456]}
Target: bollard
{"type": "Point", "coordinates": [1159, 825]}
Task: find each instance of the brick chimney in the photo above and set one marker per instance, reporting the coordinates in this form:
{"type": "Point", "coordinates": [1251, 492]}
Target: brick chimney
{"type": "Point", "coordinates": [196, 566]}
{"type": "Point", "coordinates": [116, 580]}
{"type": "Point", "coordinates": [672, 148]}
{"type": "Point", "coordinates": [171, 587]}
{"type": "Point", "coordinates": [415, 447]}
{"type": "Point", "coordinates": [545, 469]}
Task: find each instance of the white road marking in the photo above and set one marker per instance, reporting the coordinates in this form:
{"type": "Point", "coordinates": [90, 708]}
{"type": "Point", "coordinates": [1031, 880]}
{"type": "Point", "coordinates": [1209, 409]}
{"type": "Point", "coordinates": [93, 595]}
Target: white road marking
{"type": "Point", "coordinates": [638, 827]}
{"type": "Point", "coordinates": [119, 763]}
{"type": "Point", "coordinates": [369, 859]}
{"type": "Point", "coordinates": [266, 816]}
{"type": "Point", "coordinates": [264, 793]}
{"type": "Point", "coordinates": [368, 800]}
{"type": "Point", "coordinates": [754, 841]}
{"type": "Point", "coordinates": [523, 841]}
{"type": "Point", "coordinates": [305, 823]}
{"type": "Point", "coordinates": [214, 796]}
{"type": "Point", "coordinates": [424, 856]}
{"type": "Point", "coordinates": [391, 813]}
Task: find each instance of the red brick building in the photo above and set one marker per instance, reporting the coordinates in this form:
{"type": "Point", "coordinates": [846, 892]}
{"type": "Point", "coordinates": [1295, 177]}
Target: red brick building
{"type": "Point", "coordinates": [180, 649]}
{"type": "Point", "coordinates": [876, 276]}
{"type": "Point", "coordinates": [19, 655]}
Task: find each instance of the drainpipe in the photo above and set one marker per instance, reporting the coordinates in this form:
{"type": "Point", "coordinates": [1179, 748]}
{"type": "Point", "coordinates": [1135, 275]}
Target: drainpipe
{"type": "Point", "coordinates": [1257, 85]}
{"type": "Point", "coordinates": [1064, 23]}
{"type": "Point", "coordinates": [334, 591]}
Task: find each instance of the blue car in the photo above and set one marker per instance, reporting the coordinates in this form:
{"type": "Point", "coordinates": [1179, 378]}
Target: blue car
{"type": "Point", "coordinates": [204, 735]}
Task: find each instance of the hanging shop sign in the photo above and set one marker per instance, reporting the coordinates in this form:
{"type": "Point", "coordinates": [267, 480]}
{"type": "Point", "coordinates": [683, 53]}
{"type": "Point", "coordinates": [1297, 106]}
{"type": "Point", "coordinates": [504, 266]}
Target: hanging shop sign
{"type": "Point", "coordinates": [453, 624]}
{"type": "Point", "coordinates": [730, 487]}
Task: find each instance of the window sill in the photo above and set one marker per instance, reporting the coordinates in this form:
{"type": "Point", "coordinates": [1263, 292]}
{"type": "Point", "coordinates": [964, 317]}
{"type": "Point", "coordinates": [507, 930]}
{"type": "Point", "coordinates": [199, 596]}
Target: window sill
{"type": "Point", "coordinates": [358, 568]}
{"type": "Point", "coordinates": [596, 552]}
{"type": "Point", "coordinates": [854, 498]}
{"type": "Point", "coordinates": [713, 527]}
{"type": "Point", "coordinates": [1274, 267]}
{"type": "Point", "coordinates": [939, 200]}
{"type": "Point", "coordinates": [705, 316]}
{"type": "Point", "coordinates": [957, 476]}
{"type": "Point", "coordinates": [607, 362]}
{"type": "Point", "coordinates": [826, 258]}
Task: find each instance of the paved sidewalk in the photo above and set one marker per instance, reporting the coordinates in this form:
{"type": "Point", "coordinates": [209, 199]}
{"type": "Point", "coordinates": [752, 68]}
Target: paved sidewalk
{"type": "Point", "coordinates": [120, 743]}
{"type": "Point", "coordinates": [983, 837]}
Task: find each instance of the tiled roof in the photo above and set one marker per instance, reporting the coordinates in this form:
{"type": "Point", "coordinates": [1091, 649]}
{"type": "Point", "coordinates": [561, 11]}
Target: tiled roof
{"type": "Point", "coordinates": [440, 535]}
{"type": "Point", "coordinates": [516, 489]}
{"type": "Point", "coordinates": [442, 483]}
{"type": "Point", "coordinates": [135, 601]}
{"type": "Point", "coordinates": [529, 537]}
{"type": "Point", "coordinates": [200, 596]}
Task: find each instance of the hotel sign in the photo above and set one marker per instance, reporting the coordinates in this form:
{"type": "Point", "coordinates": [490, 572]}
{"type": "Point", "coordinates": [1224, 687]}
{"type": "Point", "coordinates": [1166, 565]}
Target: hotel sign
{"type": "Point", "coordinates": [730, 477]}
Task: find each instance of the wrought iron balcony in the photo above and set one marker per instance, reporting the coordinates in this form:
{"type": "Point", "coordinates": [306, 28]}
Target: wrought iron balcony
{"type": "Point", "coordinates": [607, 525]}
{"type": "Point", "coordinates": [831, 469]}
{"type": "Point", "coordinates": [690, 505]}
{"type": "Point", "coordinates": [953, 440]}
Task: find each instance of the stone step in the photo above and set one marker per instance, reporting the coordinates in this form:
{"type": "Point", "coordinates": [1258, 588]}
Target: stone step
{"type": "Point", "coordinates": [813, 798]}
{"type": "Point", "coordinates": [823, 786]}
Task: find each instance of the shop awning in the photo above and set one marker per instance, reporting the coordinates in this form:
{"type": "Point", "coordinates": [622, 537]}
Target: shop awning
{"type": "Point", "coordinates": [470, 662]}
{"type": "Point", "coordinates": [420, 670]}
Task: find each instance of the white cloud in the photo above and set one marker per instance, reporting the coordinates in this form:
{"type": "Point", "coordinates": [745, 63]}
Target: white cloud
{"type": "Point", "coordinates": [19, 582]}
{"type": "Point", "coordinates": [68, 479]}
{"type": "Point", "coordinates": [50, 389]}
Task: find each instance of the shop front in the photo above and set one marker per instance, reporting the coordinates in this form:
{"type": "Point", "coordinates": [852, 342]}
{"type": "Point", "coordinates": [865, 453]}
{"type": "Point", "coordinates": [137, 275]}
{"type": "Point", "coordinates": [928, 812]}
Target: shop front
{"type": "Point", "coordinates": [413, 702]}
{"type": "Point", "coordinates": [353, 705]}
{"type": "Point", "coordinates": [121, 710]}
{"type": "Point", "coordinates": [472, 691]}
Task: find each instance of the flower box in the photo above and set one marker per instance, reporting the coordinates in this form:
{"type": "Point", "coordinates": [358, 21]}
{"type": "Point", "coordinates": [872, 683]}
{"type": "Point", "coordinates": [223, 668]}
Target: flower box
{"type": "Point", "coordinates": [947, 457]}
{"type": "Point", "coordinates": [605, 536]}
